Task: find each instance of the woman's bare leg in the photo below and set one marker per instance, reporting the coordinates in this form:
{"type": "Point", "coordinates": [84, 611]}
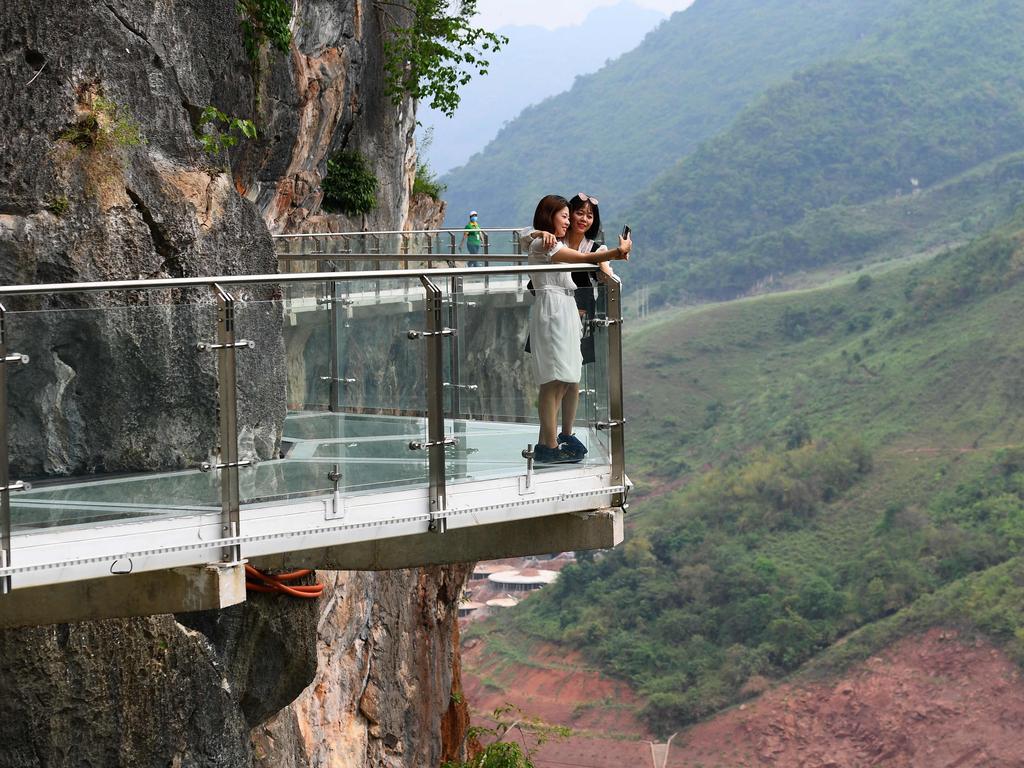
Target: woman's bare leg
{"type": "Point", "coordinates": [570, 400]}
{"type": "Point", "coordinates": [548, 401]}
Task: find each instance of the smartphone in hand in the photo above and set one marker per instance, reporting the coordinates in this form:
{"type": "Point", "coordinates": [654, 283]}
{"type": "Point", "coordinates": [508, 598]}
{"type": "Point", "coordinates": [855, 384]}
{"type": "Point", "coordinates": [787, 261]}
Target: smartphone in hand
{"type": "Point", "coordinates": [626, 232]}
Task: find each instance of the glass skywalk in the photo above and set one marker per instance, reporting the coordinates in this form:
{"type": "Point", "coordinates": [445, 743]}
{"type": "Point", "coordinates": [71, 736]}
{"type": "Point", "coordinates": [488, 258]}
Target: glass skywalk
{"type": "Point", "coordinates": [168, 423]}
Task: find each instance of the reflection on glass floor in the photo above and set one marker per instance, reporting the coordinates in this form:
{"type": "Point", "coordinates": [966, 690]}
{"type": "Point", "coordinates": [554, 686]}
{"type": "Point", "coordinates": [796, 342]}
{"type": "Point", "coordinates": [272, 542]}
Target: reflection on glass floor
{"type": "Point", "coordinates": [370, 452]}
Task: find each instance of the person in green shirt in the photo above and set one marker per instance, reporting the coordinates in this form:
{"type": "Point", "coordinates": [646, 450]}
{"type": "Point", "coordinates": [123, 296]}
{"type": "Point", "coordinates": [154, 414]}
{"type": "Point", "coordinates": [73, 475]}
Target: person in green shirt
{"type": "Point", "coordinates": [473, 238]}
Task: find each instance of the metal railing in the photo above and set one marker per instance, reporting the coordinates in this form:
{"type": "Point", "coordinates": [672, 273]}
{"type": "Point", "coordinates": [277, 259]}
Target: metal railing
{"type": "Point", "coordinates": [442, 322]}
{"type": "Point", "coordinates": [420, 242]}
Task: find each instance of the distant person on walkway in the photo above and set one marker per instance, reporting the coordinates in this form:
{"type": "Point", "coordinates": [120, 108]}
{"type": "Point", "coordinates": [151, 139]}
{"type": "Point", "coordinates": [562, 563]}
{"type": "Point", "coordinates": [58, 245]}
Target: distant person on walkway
{"type": "Point", "coordinates": [556, 330]}
{"type": "Point", "coordinates": [472, 237]}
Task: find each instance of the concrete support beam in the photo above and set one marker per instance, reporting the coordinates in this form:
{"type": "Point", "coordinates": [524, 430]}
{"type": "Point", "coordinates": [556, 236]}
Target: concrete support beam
{"type": "Point", "coordinates": [600, 529]}
{"type": "Point", "coordinates": [194, 588]}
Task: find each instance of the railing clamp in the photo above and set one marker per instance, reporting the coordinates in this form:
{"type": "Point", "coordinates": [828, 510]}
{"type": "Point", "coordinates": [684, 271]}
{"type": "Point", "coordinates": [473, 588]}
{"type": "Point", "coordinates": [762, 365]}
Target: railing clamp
{"type": "Point", "coordinates": [602, 425]}
{"type": "Point", "coordinates": [423, 334]}
{"type": "Point", "coordinates": [604, 322]}
{"type": "Point", "coordinates": [468, 387]}
{"type": "Point", "coordinates": [417, 446]}
{"type": "Point", "coordinates": [335, 378]}
{"type": "Point", "coordinates": [331, 300]}
{"type": "Point", "coordinates": [17, 486]}
{"type": "Point", "coordinates": [15, 357]}
{"type": "Point", "coordinates": [206, 346]}
{"type": "Point", "coordinates": [207, 466]}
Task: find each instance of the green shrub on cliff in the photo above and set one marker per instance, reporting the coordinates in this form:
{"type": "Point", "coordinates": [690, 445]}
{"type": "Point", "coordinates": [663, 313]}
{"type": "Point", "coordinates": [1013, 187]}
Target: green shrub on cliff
{"type": "Point", "coordinates": [349, 186]}
{"type": "Point", "coordinates": [266, 21]}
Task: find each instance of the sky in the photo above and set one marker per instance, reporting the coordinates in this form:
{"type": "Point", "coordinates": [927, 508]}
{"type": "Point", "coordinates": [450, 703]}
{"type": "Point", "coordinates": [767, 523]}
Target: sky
{"type": "Point", "coordinates": [553, 14]}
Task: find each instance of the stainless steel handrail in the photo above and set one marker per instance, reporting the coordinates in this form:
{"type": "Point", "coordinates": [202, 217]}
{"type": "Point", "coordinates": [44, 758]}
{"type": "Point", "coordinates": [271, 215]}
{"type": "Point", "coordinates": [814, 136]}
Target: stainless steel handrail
{"type": "Point", "coordinates": [296, 277]}
{"type": "Point", "coordinates": [245, 280]}
{"type": "Point", "coordinates": [442, 256]}
{"type": "Point", "coordinates": [456, 230]}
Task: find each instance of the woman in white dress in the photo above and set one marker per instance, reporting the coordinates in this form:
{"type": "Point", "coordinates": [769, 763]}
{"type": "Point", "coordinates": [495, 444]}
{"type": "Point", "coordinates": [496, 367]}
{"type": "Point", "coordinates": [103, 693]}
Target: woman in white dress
{"type": "Point", "coordinates": [555, 327]}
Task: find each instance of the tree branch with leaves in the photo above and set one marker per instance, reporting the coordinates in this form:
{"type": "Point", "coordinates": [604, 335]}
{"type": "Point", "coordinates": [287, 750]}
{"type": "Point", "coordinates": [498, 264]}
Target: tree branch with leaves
{"type": "Point", "coordinates": [437, 53]}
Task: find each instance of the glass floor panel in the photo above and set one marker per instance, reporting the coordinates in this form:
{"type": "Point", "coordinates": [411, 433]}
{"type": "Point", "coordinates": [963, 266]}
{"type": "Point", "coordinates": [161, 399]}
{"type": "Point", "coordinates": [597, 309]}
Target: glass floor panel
{"type": "Point", "coordinates": [371, 453]}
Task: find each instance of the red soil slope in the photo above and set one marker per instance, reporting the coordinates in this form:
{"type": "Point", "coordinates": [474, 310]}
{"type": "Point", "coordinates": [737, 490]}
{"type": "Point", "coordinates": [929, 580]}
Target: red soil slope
{"type": "Point", "coordinates": [560, 690]}
{"type": "Point", "coordinates": [933, 701]}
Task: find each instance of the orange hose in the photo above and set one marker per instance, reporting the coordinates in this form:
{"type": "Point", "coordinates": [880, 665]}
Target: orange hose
{"type": "Point", "coordinates": [275, 583]}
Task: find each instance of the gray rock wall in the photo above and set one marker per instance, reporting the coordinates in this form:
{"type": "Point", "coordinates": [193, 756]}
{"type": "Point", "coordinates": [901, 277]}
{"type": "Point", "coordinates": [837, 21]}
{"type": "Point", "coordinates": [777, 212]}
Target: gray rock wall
{"type": "Point", "coordinates": [125, 390]}
{"type": "Point", "coordinates": [102, 179]}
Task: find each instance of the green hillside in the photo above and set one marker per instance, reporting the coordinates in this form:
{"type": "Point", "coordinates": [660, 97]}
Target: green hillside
{"type": "Point", "coordinates": [809, 464]}
{"type": "Point", "coordinates": [935, 92]}
{"type": "Point", "coordinates": [613, 132]}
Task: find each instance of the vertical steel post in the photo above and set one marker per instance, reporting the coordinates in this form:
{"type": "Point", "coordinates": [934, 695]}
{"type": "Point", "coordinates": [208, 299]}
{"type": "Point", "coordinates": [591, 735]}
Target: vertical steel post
{"type": "Point", "coordinates": [616, 415]}
{"type": "Point", "coordinates": [335, 340]}
{"type": "Point", "coordinates": [454, 373]}
{"type": "Point", "coordinates": [229, 491]}
{"type": "Point", "coordinates": [435, 403]}
{"type": "Point", "coordinates": [5, 478]}
{"type": "Point", "coordinates": [5, 493]}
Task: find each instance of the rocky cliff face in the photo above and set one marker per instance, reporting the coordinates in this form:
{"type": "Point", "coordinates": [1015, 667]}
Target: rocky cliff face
{"type": "Point", "coordinates": [383, 686]}
{"type": "Point", "coordinates": [101, 177]}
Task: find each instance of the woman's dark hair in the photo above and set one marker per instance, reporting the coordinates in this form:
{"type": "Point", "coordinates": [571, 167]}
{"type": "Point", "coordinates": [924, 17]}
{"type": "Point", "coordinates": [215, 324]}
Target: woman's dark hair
{"type": "Point", "coordinates": [544, 216]}
{"type": "Point", "coordinates": [575, 203]}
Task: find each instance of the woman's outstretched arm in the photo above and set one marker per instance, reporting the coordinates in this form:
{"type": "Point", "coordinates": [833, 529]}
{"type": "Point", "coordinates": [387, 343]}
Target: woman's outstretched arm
{"type": "Point", "coordinates": [567, 255]}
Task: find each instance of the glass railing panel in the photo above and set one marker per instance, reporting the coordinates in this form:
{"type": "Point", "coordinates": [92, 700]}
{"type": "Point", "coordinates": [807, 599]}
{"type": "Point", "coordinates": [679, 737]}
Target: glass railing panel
{"type": "Point", "coordinates": [494, 416]}
{"type": "Point", "coordinates": [127, 409]}
{"type": "Point", "coordinates": [351, 389]}
{"type": "Point", "coordinates": [594, 407]}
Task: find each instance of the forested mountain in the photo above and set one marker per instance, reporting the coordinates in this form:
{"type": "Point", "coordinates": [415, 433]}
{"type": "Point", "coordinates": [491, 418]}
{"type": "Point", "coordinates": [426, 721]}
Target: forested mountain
{"type": "Point", "coordinates": [853, 457]}
{"type": "Point", "coordinates": [936, 90]}
{"type": "Point", "coordinates": [615, 130]}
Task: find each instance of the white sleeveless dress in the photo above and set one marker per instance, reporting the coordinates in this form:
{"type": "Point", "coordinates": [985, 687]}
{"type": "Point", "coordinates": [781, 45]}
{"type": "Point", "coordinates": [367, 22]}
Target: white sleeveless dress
{"type": "Point", "coordinates": [555, 326]}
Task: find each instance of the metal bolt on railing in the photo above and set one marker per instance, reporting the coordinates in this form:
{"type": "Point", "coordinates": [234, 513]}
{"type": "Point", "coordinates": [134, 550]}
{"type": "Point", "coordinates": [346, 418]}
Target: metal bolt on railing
{"type": "Point", "coordinates": [208, 467]}
{"type": "Point", "coordinates": [423, 334]}
{"type": "Point", "coordinates": [415, 445]}
{"type": "Point", "coordinates": [206, 346]}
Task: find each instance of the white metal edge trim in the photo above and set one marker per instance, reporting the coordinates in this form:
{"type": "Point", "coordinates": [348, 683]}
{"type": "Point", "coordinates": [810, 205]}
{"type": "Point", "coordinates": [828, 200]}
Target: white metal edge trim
{"type": "Point", "coordinates": [217, 544]}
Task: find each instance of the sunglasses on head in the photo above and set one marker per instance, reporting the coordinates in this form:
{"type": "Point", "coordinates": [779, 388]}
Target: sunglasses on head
{"type": "Point", "coordinates": [587, 199]}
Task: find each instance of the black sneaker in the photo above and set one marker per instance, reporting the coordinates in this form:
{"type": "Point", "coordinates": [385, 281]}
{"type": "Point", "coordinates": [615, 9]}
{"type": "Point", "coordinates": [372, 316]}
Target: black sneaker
{"type": "Point", "coordinates": [544, 455]}
{"type": "Point", "coordinates": [572, 444]}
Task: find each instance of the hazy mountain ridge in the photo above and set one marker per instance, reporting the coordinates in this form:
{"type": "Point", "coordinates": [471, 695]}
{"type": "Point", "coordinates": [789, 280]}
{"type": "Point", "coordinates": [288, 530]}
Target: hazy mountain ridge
{"type": "Point", "coordinates": [921, 100]}
{"type": "Point", "coordinates": [614, 131]}
{"type": "Point", "coordinates": [546, 60]}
